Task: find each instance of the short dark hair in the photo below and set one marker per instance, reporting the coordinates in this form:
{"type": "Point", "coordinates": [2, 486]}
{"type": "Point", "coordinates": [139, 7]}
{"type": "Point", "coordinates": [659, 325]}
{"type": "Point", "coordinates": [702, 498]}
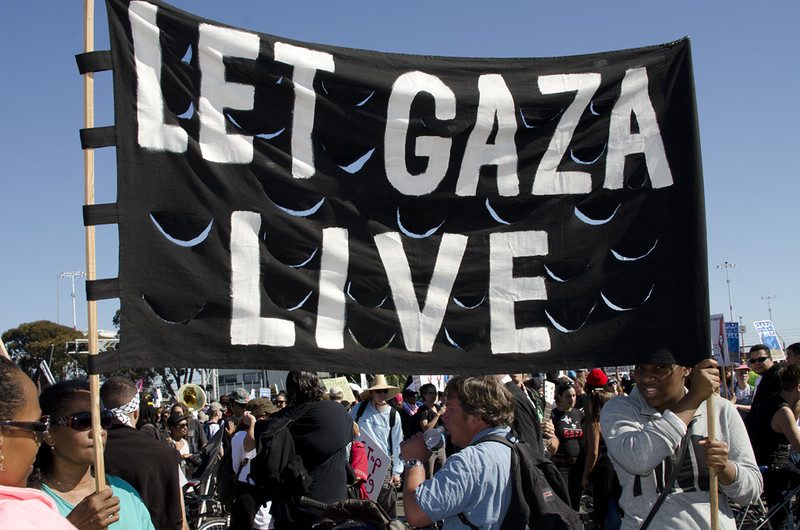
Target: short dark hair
{"type": "Point", "coordinates": [427, 387]}
{"type": "Point", "coordinates": [12, 396]}
{"type": "Point", "coordinates": [789, 376]}
{"type": "Point", "coordinates": [117, 391]}
{"type": "Point", "coordinates": [758, 347]}
{"type": "Point", "coordinates": [794, 349]}
{"type": "Point", "coordinates": [483, 396]}
{"type": "Point", "coordinates": [303, 387]}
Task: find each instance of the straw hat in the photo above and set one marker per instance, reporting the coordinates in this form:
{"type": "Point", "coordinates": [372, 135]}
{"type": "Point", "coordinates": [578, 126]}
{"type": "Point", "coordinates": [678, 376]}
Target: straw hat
{"type": "Point", "coordinates": [379, 383]}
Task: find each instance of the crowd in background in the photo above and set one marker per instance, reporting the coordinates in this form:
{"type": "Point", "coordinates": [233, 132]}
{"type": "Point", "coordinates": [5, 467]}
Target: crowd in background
{"type": "Point", "coordinates": [596, 428]}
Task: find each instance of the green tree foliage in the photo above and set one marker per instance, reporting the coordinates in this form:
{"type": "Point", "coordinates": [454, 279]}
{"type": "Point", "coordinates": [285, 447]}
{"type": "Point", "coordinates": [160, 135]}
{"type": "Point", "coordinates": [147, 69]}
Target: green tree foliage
{"type": "Point", "coordinates": [30, 342]}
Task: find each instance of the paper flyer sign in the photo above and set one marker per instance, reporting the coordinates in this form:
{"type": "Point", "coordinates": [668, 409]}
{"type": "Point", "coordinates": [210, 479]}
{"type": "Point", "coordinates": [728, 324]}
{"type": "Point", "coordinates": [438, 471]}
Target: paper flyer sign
{"type": "Point", "coordinates": [768, 336]}
{"type": "Point", "coordinates": [378, 465]}
{"type": "Point", "coordinates": [719, 342]}
{"type": "Point", "coordinates": [340, 383]}
{"type": "Point", "coordinates": [439, 381]}
{"type": "Point", "coordinates": [264, 393]}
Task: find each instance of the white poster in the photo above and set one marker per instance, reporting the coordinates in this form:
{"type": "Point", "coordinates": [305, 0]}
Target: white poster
{"type": "Point", "coordinates": [439, 381]}
{"type": "Point", "coordinates": [719, 341]}
{"type": "Point", "coordinates": [378, 463]}
{"type": "Point", "coordinates": [264, 393]}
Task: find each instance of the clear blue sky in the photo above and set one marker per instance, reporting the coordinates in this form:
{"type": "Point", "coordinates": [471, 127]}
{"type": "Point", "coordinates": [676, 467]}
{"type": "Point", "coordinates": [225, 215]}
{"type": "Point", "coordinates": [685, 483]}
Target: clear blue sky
{"type": "Point", "coordinates": [747, 76]}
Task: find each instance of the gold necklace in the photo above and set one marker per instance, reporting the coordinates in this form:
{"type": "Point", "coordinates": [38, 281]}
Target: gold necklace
{"type": "Point", "coordinates": [62, 485]}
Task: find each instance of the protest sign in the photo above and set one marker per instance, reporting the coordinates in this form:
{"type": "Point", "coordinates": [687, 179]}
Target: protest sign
{"type": "Point", "coordinates": [378, 465]}
{"type": "Point", "coordinates": [290, 205]}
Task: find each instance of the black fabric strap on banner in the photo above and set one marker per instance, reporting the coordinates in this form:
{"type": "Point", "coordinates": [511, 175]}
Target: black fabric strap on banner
{"type": "Point", "coordinates": [100, 214]}
{"type": "Point", "coordinates": [102, 289]}
{"type": "Point", "coordinates": [96, 61]}
{"type": "Point", "coordinates": [98, 137]}
{"type": "Point", "coordinates": [106, 361]}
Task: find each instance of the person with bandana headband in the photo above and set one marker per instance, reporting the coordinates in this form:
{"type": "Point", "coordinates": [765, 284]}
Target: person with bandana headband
{"type": "Point", "coordinates": [148, 464]}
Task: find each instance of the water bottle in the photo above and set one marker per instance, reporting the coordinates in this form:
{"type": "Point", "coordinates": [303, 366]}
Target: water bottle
{"type": "Point", "coordinates": [434, 438]}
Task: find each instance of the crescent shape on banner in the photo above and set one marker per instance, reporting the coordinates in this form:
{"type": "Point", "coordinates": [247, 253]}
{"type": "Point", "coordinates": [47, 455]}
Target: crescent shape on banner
{"type": "Point", "coordinates": [353, 298]}
{"type": "Point", "coordinates": [234, 122]}
{"type": "Point", "coordinates": [557, 278]}
{"type": "Point", "coordinates": [187, 57]}
{"type": "Point", "coordinates": [298, 306]}
{"type": "Point", "coordinates": [389, 342]}
{"type": "Point", "coordinates": [168, 321]}
{"type": "Point", "coordinates": [462, 305]}
{"type": "Point", "coordinates": [270, 136]}
{"type": "Point", "coordinates": [184, 242]}
{"type": "Point", "coordinates": [189, 114]}
{"type": "Point", "coordinates": [364, 101]}
{"type": "Point", "coordinates": [591, 109]}
{"type": "Point", "coordinates": [307, 261]}
{"type": "Point", "coordinates": [415, 235]}
{"type": "Point", "coordinates": [587, 162]}
{"type": "Point", "coordinates": [494, 213]}
{"type": "Point", "coordinates": [358, 164]}
{"type": "Point", "coordinates": [620, 257]}
{"type": "Point", "coordinates": [563, 329]}
{"type": "Point", "coordinates": [452, 342]}
{"type": "Point", "coordinates": [524, 121]}
{"type": "Point", "coordinates": [615, 307]}
{"type": "Point", "coordinates": [300, 213]}
{"type": "Point", "coordinates": [595, 222]}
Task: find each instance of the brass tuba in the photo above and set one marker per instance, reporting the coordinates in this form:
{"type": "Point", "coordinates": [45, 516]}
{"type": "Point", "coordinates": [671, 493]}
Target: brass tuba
{"type": "Point", "coordinates": [193, 396]}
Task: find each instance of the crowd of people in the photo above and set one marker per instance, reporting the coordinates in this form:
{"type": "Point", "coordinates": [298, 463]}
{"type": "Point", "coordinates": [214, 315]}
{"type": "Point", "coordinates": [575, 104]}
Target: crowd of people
{"type": "Point", "coordinates": [638, 444]}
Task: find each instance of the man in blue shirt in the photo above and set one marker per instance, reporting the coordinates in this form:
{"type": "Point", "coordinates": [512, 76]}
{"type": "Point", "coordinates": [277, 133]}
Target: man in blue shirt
{"type": "Point", "coordinates": [473, 489]}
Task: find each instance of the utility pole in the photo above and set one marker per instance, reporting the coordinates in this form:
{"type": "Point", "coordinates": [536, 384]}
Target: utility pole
{"type": "Point", "coordinates": [727, 267]}
{"type": "Point", "coordinates": [72, 275]}
{"type": "Point", "coordinates": [769, 300]}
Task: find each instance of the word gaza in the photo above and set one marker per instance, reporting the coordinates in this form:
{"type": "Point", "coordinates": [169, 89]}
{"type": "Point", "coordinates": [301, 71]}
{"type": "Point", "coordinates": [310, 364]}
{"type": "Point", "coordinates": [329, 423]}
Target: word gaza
{"type": "Point", "coordinates": [491, 141]}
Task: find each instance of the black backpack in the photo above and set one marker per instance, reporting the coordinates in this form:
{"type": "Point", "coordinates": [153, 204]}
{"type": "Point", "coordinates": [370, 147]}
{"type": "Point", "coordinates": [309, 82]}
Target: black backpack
{"type": "Point", "coordinates": [539, 495]}
{"type": "Point", "coordinates": [277, 470]}
{"type": "Point", "coordinates": [226, 476]}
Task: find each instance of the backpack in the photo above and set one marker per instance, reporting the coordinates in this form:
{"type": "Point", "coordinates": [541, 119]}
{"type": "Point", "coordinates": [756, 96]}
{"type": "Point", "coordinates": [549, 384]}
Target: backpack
{"type": "Point", "coordinates": [539, 496]}
{"type": "Point", "coordinates": [226, 476]}
{"type": "Point", "coordinates": [277, 470]}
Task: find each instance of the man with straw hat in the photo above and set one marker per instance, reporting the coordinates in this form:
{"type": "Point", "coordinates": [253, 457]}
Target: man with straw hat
{"type": "Point", "coordinates": [381, 422]}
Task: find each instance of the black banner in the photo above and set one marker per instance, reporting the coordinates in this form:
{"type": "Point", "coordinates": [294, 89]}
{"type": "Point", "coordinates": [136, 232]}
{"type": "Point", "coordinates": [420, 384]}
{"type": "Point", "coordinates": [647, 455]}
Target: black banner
{"type": "Point", "coordinates": [292, 205]}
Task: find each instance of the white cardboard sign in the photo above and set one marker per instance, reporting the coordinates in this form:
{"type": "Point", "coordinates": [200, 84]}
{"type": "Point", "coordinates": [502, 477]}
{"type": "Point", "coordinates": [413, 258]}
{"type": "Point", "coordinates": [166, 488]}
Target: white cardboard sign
{"type": "Point", "coordinates": [378, 463]}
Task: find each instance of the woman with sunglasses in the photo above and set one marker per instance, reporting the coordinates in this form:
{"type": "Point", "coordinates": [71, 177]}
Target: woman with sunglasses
{"type": "Point", "coordinates": [657, 439]}
{"type": "Point", "coordinates": [64, 465]}
{"type": "Point", "coordinates": [178, 430]}
{"type": "Point", "coordinates": [22, 428]}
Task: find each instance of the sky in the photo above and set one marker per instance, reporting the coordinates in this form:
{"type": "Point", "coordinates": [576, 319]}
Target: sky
{"type": "Point", "coordinates": [747, 77]}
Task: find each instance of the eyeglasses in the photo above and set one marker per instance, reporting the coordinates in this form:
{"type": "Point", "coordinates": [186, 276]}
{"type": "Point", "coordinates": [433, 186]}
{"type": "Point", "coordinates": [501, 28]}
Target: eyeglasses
{"type": "Point", "coordinates": [183, 425]}
{"type": "Point", "coordinates": [381, 391]}
{"type": "Point", "coordinates": [657, 371]}
{"type": "Point", "coordinates": [757, 360]}
{"type": "Point", "coordinates": [39, 428]}
{"type": "Point", "coordinates": [82, 421]}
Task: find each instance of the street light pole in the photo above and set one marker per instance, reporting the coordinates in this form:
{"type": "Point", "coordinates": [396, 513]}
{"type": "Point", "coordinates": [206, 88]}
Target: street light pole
{"type": "Point", "coordinates": [71, 275]}
{"type": "Point", "coordinates": [769, 300]}
{"type": "Point", "coordinates": [727, 267]}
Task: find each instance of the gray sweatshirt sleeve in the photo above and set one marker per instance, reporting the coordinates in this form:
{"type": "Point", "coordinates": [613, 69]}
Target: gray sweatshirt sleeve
{"type": "Point", "coordinates": [636, 443]}
{"type": "Point", "coordinates": [747, 486]}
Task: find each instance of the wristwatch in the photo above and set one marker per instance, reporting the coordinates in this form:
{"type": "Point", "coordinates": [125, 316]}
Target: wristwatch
{"type": "Point", "coordinates": [412, 463]}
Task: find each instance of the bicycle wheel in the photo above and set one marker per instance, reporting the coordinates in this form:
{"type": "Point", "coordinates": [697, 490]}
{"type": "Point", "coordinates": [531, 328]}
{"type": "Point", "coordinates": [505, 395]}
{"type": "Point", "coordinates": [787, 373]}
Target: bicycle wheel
{"type": "Point", "coordinates": [214, 523]}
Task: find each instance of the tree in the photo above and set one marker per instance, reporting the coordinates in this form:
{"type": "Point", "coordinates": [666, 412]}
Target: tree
{"type": "Point", "coordinates": [29, 343]}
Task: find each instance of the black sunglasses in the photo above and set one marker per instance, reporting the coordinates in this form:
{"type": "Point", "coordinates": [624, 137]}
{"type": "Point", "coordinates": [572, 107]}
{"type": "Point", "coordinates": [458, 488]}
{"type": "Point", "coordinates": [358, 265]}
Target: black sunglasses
{"type": "Point", "coordinates": [39, 428]}
{"type": "Point", "coordinates": [82, 421]}
{"type": "Point", "coordinates": [757, 360]}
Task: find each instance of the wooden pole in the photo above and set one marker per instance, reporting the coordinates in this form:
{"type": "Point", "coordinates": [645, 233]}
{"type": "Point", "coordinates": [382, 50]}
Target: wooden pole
{"type": "Point", "coordinates": [91, 268]}
{"type": "Point", "coordinates": [713, 479]}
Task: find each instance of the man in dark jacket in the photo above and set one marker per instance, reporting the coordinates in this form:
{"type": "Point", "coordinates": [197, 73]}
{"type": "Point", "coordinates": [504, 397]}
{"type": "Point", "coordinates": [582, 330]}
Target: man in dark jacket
{"type": "Point", "coordinates": [148, 464]}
